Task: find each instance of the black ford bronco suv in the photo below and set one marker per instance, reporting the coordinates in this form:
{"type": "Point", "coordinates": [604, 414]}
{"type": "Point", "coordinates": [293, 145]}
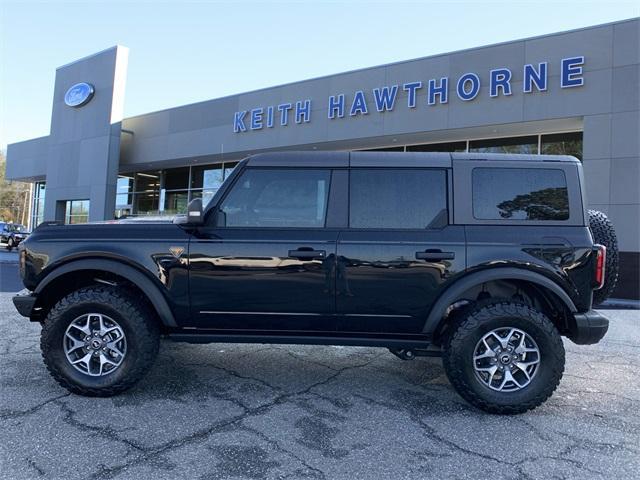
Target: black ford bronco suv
{"type": "Point", "coordinates": [486, 260]}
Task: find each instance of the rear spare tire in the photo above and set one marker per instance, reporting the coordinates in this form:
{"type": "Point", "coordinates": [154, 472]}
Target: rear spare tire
{"type": "Point", "coordinates": [604, 234]}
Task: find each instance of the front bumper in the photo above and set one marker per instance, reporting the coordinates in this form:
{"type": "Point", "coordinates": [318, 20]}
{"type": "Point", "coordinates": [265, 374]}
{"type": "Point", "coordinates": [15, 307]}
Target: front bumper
{"type": "Point", "coordinates": [591, 326]}
{"type": "Point", "coordinates": [24, 302]}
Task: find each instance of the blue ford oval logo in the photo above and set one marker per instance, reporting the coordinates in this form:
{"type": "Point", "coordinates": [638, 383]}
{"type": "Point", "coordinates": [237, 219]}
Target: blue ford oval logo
{"type": "Point", "coordinates": [79, 94]}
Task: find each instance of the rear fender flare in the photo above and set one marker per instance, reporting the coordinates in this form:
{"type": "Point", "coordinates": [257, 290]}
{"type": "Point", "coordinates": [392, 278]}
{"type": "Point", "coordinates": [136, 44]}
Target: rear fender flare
{"type": "Point", "coordinates": [450, 295]}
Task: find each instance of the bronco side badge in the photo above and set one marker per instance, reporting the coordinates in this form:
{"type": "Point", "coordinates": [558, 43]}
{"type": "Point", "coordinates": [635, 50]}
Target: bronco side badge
{"type": "Point", "coordinates": [176, 251]}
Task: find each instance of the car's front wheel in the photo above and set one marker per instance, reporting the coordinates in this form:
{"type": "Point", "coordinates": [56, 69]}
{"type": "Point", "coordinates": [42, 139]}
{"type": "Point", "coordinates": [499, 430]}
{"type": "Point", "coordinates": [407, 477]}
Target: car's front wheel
{"type": "Point", "coordinates": [99, 341]}
{"type": "Point", "coordinates": [10, 244]}
{"type": "Point", "coordinates": [504, 357]}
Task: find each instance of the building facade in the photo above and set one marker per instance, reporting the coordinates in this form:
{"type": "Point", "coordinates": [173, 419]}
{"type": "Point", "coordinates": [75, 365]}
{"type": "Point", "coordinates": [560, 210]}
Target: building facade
{"type": "Point", "coordinates": [574, 92]}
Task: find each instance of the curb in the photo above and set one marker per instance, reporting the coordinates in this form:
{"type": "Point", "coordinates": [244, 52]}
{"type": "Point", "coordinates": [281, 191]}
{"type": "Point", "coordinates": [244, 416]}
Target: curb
{"type": "Point", "coordinates": [619, 304]}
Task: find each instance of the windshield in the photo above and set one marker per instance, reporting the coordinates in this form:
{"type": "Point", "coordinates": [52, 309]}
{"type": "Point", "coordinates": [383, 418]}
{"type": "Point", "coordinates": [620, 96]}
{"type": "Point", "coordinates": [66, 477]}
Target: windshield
{"type": "Point", "coordinates": [17, 228]}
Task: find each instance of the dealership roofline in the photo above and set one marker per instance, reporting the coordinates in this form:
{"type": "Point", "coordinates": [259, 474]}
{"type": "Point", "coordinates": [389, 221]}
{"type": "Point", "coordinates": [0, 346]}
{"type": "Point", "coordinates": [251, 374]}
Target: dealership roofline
{"type": "Point", "coordinates": [400, 62]}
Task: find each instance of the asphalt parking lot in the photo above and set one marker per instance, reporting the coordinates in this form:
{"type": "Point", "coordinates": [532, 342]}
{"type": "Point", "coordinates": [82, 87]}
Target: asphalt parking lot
{"type": "Point", "coordinates": [261, 411]}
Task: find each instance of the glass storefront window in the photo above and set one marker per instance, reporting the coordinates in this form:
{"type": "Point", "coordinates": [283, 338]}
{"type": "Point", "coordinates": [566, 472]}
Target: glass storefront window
{"type": "Point", "coordinates": [384, 149]}
{"type": "Point", "coordinates": [207, 177]}
{"type": "Point", "coordinates": [439, 147]}
{"type": "Point", "coordinates": [228, 168]}
{"type": "Point", "coordinates": [527, 145]}
{"type": "Point", "coordinates": [124, 189]}
{"type": "Point", "coordinates": [37, 211]}
{"type": "Point", "coordinates": [562, 144]}
{"type": "Point", "coordinates": [145, 203]}
{"type": "Point", "coordinates": [205, 195]}
{"type": "Point", "coordinates": [175, 202]}
{"type": "Point", "coordinates": [147, 181]}
{"type": "Point", "coordinates": [176, 178]}
{"type": "Point", "coordinates": [76, 211]}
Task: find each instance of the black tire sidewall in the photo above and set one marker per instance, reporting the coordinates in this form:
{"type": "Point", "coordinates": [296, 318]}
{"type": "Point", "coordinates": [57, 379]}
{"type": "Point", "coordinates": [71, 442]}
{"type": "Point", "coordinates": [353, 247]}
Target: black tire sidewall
{"type": "Point", "coordinates": [53, 350]}
{"type": "Point", "coordinates": [604, 233]}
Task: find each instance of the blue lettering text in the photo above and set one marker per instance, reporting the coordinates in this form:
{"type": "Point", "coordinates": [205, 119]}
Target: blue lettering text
{"type": "Point", "coordinates": [500, 78]}
{"type": "Point", "coordinates": [572, 72]}
{"type": "Point", "coordinates": [303, 111]}
{"type": "Point", "coordinates": [531, 77]}
{"type": "Point", "coordinates": [238, 122]}
{"type": "Point", "coordinates": [441, 90]}
{"type": "Point", "coordinates": [411, 88]}
{"type": "Point", "coordinates": [385, 98]}
{"type": "Point", "coordinates": [284, 108]}
{"type": "Point", "coordinates": [336, 106]}
{"type": "Point", "coordinates": [468, 94]}
{"type": "Point", "coordinates": [359, 104]}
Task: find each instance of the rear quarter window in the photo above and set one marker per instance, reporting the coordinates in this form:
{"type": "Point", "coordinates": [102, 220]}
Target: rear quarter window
{"type": "Point", "coordinates": [535, 194]}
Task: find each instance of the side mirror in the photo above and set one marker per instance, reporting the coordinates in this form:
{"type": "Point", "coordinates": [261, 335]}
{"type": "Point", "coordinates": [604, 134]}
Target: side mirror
{"type": "Point", "coordinates": [194, 216]}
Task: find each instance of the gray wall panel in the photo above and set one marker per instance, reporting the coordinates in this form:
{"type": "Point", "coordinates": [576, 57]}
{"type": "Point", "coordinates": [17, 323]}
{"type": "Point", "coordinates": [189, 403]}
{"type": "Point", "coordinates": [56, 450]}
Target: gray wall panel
{"type": "Point", "coordinates": [625, 219]}
{"type": "Point", "coordinates": [596, 44]}
{"type": "Point", "coordinates": [625, 181]}
{"type": "Point", "coordinates": [625, 141]}
{"type": "Point", "coordinates": [592, 98]}
{"type": "Point", "coordinates": [30, 159]}
{"type": "Point", "coordinates": [626, 43]}
{"type": "Point", "coordinates": [596, 143]}
{"type": "Point", "coordinates": [597, 174]}
{"type": "Point", "coordinates": [625, 88]}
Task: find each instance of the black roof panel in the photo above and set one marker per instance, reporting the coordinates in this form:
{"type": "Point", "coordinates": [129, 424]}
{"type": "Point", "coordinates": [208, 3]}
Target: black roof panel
{"type": "Point", "coordinates": [388, 159]}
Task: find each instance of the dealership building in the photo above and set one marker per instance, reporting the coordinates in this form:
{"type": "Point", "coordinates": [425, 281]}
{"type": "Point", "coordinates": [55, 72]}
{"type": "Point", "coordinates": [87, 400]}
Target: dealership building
{"type": "Point", "coordinates": [574, 92]}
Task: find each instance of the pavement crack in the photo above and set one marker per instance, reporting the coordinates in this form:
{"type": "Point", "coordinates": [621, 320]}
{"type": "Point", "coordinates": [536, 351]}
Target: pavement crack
{"type": "Point", "coordinates": [275, 444]}
{"type": "Point", "coordinates": [306, 360]}
{"type": "Point", "coordinates": [31, 462]}
{"type": "Point", "coordinates": [10, 414]}
{"type": "Point", "coordinates": [202, 434]}
{"type": "Point", "coordinates": [106, 432]}
{"type": "Point", "coordinates": [431, 432]}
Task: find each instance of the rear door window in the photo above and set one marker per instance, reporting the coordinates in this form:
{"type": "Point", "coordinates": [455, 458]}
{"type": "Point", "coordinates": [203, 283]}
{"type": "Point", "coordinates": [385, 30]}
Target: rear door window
{"type": "Point", "coordinates": [520, 194]}
{"type": "Point", "coordinates": [407, 198]}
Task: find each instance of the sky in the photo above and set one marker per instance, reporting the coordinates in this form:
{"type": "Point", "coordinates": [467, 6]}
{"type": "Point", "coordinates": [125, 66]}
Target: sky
{"type": "Point", "coordinates": [183, 52]}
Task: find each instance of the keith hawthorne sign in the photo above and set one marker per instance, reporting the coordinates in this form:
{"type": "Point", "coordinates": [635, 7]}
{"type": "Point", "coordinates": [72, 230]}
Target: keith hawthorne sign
{"type": "Point", "coordinates": [431, 93]}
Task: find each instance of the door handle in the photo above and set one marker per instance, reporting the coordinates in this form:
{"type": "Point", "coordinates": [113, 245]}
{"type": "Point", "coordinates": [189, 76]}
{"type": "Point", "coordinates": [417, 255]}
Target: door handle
{"type": "Point", "coordinates": [435, 255]}
{"type": "Point", "coordinates": [307, 253]}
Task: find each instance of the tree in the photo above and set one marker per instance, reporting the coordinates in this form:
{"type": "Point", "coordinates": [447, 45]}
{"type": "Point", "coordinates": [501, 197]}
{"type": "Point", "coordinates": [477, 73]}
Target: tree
{"type": "Point", "coordinates": [14, 197]}
{"type": "Point", "coordinates": [546, 204]}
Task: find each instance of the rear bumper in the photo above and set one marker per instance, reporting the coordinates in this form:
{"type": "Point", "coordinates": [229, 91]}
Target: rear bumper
{"type": "Point", "coordinates": [24, 302]}
{"type": "Point", "coordinates": [591, 326]}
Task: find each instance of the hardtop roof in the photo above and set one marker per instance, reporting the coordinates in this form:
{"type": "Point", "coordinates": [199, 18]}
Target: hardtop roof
{"type": "Point", "coordinates": [389, 159]}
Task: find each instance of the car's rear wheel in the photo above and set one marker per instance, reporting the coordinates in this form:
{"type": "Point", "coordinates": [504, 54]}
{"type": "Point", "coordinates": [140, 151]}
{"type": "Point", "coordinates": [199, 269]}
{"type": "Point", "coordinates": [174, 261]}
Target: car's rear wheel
{"type": "Point", "coordinates": [504, 357]}
{"type": "Point", "coordinates": [99, 341]}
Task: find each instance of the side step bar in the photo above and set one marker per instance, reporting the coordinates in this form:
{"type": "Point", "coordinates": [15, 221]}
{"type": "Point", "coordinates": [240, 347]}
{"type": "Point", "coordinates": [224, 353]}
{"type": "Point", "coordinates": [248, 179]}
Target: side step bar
{"type": "Point", "coordinates": [395, 343]}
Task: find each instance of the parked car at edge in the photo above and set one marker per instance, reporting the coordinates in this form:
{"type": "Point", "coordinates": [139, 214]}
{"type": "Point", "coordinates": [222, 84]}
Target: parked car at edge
{"type": "Point", "coordinates": [486, 260]}
{"type": "Point", "coordinates": [11, 234]}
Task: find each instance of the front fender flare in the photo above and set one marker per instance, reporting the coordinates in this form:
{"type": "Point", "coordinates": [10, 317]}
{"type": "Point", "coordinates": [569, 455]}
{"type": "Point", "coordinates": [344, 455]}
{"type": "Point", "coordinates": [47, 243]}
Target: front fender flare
{"type": "Point", "coordinates": [458, 288]}
{"type": "Point", "coordinates": [142, 281]}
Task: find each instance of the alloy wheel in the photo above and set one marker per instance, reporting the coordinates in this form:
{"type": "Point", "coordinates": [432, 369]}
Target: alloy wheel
{"type": "Point", "coordinates": [95, 344]}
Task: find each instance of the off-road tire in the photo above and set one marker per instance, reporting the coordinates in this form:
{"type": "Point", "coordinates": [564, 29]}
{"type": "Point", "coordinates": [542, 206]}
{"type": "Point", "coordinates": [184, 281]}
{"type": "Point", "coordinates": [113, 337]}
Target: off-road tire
{"type": "Point", "coordinates": [479, 320]}
{"type": "Point", "coordinates": [604, 234]}
{"type": "Point", "coordinates": [132, 314]}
